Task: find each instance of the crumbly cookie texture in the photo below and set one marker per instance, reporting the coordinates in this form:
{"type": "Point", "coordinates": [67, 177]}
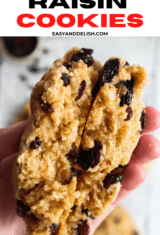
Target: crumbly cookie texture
{"type": "Point", "coordinates": [85, 123]}
{"type": "Point", "coordinates": [118, 222]}
{"type": "Point", "coordinates": [43, 177]}
{"type": "Point", "coordinates": [112, 131]}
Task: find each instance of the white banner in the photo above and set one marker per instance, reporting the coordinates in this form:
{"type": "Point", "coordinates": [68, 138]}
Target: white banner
{"type": "Point", "coordinates": [79, 18]}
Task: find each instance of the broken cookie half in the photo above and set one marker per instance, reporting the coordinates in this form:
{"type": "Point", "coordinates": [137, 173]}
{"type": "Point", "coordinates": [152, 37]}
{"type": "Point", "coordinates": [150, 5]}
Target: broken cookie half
{"type": "Point", "coordinates": [85, 122]}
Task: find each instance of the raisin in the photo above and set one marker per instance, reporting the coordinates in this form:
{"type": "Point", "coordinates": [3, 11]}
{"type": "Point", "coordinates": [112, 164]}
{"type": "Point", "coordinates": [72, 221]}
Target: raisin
{"type": "Point", "coordinates": [119, 84]}
{"type": "Point", "coordinates": [86, 212]}
{"type": "Point", "coordinates": [111, 179]}
{"type": "Point", "coordinates": [91, 216]}
{"type": "Point", "coordinates": [35, 143]}
{"type": "Point", "coordinates": [87, 51]}
{"type": "Point", "coordinates": [115, 176]}
{"type": "Point", "coordinates": [46, 106]}
{"type": "Point", "coordinates": [82, 228]}
{"type": "Point", "coordinates": [73, 154]}
{"type": "Point", "coordinates": [143, 120]}
{"type": "Point", "coordinates": [67, 65]}
{"type": "Point", "coordinates": [111, 68]}
{"type": "Point", "coordinates": [85, 55]}
{"type": "Point", "coordinates": [74, 171]}
{"type": "Point", "coordinates": [81, 90]}
{"type": "Point", "coordinates": [129, 111]}
{"type": "Point", "coordinates": [91, 157]}
{"type": "Point", "coordinates": [54, 228]}
{"type": "Point", "coordinates": [126, 99]}
{"type": "Point", "coordinates": [129, 84]}
{"type": "Point", "coordinates": [122, 102]}
{"type": "Point", "coordinates": [126, 64]}
{"type": "Point", "coordinates": [98, 144]}
{"type": "Point", "coordinates": [22, 210]}
{"type": "Point", "coordinates": [73, 207]}
{"type": "Point", "coordinates": [66, 79]}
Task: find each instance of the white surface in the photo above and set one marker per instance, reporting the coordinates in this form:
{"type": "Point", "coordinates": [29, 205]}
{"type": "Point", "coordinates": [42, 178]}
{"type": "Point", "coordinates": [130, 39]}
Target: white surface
{"type": "Point", "coordinates": [144, 203]}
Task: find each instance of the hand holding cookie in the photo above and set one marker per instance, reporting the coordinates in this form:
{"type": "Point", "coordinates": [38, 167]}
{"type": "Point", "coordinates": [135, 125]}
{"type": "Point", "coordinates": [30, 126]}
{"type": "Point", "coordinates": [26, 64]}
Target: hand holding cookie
{"type": "Point", "coordinates": [10, 223]}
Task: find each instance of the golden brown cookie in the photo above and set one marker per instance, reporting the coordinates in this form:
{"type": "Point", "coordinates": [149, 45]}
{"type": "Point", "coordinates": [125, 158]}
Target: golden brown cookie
{"type": "Point", "coordinates": [43, 176]}
{"type": "Point", "coordinates": [111, 133]}
{"type": "Point", "coordinates": [85, 122]}
{"type": "Point", "coordinates": [118, 222]}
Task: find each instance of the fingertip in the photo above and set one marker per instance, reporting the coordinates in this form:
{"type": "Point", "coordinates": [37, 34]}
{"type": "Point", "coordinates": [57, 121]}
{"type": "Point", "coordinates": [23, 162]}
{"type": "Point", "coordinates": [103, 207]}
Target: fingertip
{"type": "Point", "coordinates": [152, 120]}
{"type": "Point", "coordinates": [134, 175]}
{"type": "Point", "coordinates": [147, 149]}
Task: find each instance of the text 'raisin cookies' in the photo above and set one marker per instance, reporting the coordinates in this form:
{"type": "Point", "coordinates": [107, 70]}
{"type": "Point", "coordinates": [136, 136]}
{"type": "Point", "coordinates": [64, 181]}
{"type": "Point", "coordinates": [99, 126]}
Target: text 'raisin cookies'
{"type": "Point", "coordinates": [85, 122]}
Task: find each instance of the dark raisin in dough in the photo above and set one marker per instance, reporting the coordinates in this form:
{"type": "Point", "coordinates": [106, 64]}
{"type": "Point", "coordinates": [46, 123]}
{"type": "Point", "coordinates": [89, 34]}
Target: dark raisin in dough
{"type": "Point", "coordinates": [115, 176]}
{"type": "Point", "coordinates": [66, 79]}
{"type": "Point", "coordinates": [82, 228]}
{"type": "Point", "coordinates": [143, 120]}
{"type": "Point", "coordinates": [73, 207]}
{"type": "Point", "coordinates": [129, 84]}
{"type": "Point", "coordinates": [126, 64]}
{"type": "Point", "coordinates": [35, 143]}
{"type": "Point", "coordinates": [22, 210]}
{"type": "Point", "coordinates": [111, 68]}
{"type": "Point", "coordinates": [46, 106]}
{"type": "Point", "coordinates": [67, 65]}
{"type": "Point", "coordinates": [129, 111]}
{"type": "Point", "coordinates": [119, 84]}
{"type": "Point", "coordinates": [85, 55]}
{"type": "Point", "coordinates": [73, 154]}
{"type": "Point", "coordinates": [81, 90]}
{"type": "Point", "coordinates": [74, 171]}
{"type": "Point", "coordinates": [54, 228]}
{"type": "Point", "coordinates": [91, 157]}
{"type": "Point", "coordinates": [87, 51]}
{"type": "Point", "coordinates": [126, 99]}
{"type": "Point", "coordinates": [86, 212]}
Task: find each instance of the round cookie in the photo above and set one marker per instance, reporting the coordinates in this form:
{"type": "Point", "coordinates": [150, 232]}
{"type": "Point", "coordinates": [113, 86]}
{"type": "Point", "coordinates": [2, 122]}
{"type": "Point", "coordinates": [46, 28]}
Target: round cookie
{"type": "Point", "coordinates": [60, 104]}
{"type": "Point", "coordinates": [118, 222]}
{"type": "Point", "coordinates": [85, 123]}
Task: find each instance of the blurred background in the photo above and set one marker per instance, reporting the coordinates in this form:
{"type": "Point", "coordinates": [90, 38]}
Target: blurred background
{"type": "Point", "coordinates": [24, 62]}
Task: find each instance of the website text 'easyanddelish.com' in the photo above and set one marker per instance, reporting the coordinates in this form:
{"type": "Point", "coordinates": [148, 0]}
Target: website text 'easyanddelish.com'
{"type": "Point", "coordinates": [80, 34]}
